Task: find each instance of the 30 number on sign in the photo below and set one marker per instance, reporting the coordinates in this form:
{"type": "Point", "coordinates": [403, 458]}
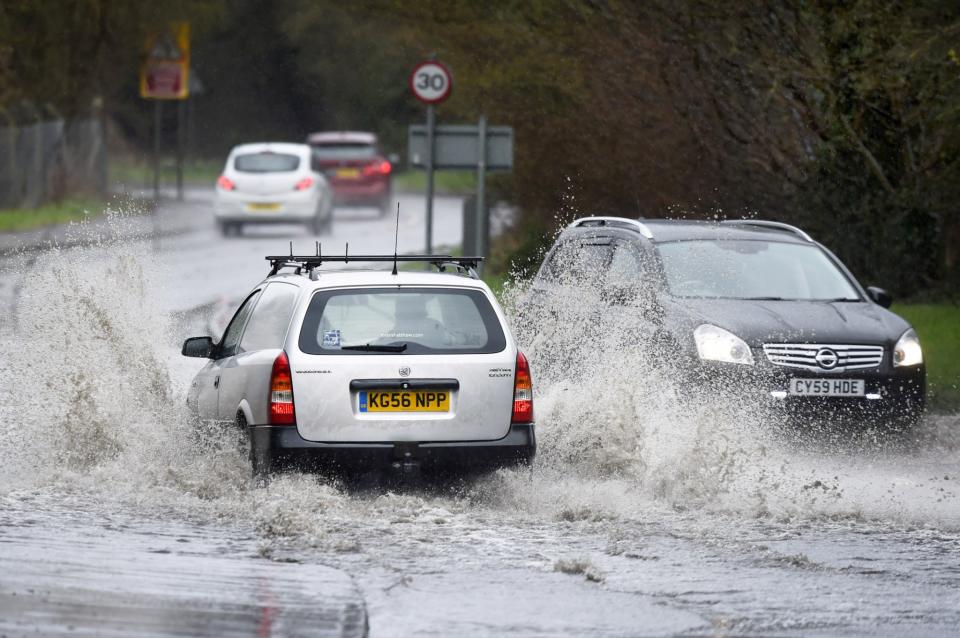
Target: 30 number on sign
{"type": "Point", "coordinates": [431, 82]}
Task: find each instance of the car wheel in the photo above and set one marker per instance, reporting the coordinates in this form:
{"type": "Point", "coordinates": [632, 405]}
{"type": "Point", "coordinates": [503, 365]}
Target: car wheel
{"type": "Point", "coordinates": [385, 207]}
{"type": "Point", "coordinates": [260, 463]}
{"type": "Point", "coordinates": [320, 225]}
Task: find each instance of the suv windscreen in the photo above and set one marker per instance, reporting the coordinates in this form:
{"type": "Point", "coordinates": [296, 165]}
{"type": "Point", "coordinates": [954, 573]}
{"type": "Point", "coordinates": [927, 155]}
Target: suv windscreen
{"type": "Point", "coordinates": [401, 321]}
{"type": "Point", "coordinates": [266, 162]}
{"type": "Point", "coordinates": [344, 151]}
{"type": "Point", "coordinates": [751, 269]}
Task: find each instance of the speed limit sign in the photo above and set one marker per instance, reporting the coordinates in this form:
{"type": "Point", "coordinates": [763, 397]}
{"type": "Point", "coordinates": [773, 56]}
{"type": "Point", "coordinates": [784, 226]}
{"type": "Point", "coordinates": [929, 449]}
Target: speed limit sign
{"type": "Point", "coordinates": [431, 82]}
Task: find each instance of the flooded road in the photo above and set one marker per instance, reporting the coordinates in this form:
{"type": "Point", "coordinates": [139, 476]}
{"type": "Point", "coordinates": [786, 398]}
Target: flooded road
{"type": "Point", "coordinates": [643, 515]}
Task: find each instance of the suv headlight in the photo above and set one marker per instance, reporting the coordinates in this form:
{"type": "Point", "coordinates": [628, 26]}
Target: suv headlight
{"type": "Point", "coordinates": [907, 352]}
{"type": "Point", "coordinates": [717, 344]}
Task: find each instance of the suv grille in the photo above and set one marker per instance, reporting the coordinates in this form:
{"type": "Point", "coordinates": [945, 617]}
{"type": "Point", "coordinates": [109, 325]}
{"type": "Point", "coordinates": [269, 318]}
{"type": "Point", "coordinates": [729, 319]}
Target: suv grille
{"type": "Point", "coordinates": [821, 357]}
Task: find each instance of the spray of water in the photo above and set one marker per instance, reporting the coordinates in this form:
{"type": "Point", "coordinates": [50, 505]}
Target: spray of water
{"type": "Point", "coordinates": [92, 392]}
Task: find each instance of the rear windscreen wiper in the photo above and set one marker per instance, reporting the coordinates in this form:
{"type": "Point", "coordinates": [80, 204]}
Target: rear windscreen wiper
{"type": "Point", "coordinates": [375, 348]}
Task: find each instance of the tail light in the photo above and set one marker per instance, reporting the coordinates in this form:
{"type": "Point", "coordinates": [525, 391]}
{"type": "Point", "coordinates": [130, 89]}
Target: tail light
{"type": "Point", "coordinates": [522, 392]}
{"type": "Point", "coordinates": [304, 184]}
{"type": "Point", "coordinates": [281, 393]}
{"type": "Point", "coordinates": [378, 167]}
{"type": "Point", "coordinates": [225, 183]}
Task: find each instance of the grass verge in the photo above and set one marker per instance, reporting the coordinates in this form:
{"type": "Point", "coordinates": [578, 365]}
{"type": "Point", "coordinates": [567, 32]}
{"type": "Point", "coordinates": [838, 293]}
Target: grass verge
{"type": "Point", "coordinates": [444, 182]}
{"type": "Point", "coordinates": [139, 174]}
{"type": "Point", "coordinates": [938, 326]}
{"type": "Point", "coordinates": [67, 210]}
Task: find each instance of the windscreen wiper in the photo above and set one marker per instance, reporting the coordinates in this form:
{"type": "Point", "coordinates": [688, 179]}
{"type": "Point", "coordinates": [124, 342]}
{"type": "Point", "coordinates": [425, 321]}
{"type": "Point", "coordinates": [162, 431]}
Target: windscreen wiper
{"type": "Point", "coordinates": [367, 347]}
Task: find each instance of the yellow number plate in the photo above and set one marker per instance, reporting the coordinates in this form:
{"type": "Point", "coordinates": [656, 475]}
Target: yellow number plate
{"type": "Point", "coordinates": [405, 401]}
{"type": "Point", "coordinates": [348, 173]}
{"type": "Point", "coordinates": [262, 206]}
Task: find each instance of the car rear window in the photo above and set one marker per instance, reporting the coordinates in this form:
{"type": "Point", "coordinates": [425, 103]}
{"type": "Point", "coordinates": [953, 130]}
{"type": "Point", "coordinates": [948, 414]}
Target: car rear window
{"type": "Point", "coordinates": [418, 320]}
{"type": "Point", "coordinates": [266, 162]}
{"type": "Point", "coordinates": [342, 151]}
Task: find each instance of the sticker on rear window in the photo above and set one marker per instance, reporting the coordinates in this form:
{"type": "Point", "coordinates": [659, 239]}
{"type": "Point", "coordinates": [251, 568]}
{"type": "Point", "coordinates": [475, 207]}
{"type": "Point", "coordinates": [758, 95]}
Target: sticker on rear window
{"type": "Point", "coordinates": [331, 338]}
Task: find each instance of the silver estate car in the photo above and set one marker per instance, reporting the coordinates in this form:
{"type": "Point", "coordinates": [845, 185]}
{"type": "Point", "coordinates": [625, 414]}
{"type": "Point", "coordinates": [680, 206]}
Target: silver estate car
{"type": "Point", "coordinates": [343, 370]}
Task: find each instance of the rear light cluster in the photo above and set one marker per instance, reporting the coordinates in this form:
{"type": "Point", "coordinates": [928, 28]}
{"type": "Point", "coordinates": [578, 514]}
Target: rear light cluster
{"type": "Point", "coordinates": [281, 393]}
{"type": "Point", "coordinates": [225, 183]}
{"type": "Point", "coordinates": [304, 184]}
{"type": "Point", "coordinates": [522, 392]}
{"type": "Point", "coordinates": [378, 167]}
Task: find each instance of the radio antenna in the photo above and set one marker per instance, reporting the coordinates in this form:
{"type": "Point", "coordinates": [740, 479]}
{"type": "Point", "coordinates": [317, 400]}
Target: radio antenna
{"type": "Point", "coordinates": [396, 234]}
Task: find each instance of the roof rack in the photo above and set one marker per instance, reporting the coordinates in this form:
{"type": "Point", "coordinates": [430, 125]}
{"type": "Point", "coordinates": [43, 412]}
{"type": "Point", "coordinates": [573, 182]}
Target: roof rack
{"type": "Point", "coordinates": [760, 223]}
{"type": "Point", "coordinates": [613, 222]}
{"type": "Point", "coordinates": [466, 265]}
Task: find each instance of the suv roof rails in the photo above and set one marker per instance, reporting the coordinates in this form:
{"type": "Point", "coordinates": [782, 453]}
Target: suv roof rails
{"type": "Point", "coordinates": [465, 265]}
{"type": "Point", "coordinates": [615, 222]}
{"type": "Point", "coordinates": [761, 223]}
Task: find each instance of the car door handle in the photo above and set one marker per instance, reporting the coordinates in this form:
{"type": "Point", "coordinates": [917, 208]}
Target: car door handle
{"type": "Point", "coordinates": [216, 382]}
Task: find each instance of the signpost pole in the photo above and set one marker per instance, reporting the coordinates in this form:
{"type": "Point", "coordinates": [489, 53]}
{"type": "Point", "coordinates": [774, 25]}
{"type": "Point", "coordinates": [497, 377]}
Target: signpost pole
{"type": "Point", "coordinates": [431, 124]}
{"type": "Point", "coordinates": [157, 121]}
{"type": "Point", "coordinates": [181, 116]}
{"type": "Point", "coordinates": [481, 218]}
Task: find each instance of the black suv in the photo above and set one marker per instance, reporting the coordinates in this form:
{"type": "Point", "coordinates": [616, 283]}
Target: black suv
{"type": "Point", "coordinates": [756, 300]}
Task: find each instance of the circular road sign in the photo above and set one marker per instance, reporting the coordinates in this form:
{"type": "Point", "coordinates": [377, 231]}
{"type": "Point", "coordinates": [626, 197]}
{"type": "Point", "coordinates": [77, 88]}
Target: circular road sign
{"type": "Point", "coordinates": [431, 82]}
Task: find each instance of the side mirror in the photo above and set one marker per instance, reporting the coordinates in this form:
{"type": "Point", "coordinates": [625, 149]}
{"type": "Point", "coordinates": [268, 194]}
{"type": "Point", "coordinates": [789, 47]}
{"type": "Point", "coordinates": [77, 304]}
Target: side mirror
{"type": "Point", "coordinates": [393, 158]}
{"type": "Point", "coordinates": [880, 296]}
{"type": "Point", "coordinates": [201, 347]}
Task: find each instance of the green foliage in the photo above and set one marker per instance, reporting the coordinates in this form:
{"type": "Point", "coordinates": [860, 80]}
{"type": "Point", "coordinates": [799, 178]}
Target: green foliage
{"type": "Point", "coordinates": [937, 327]}
{"type": "Point", "coordinates": [839, 115]}
{"type": "Point", "coordinates": [68, 210]}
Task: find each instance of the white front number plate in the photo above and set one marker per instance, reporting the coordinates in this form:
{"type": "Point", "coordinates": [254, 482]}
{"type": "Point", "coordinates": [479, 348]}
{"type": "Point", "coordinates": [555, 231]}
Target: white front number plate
{"type": "Point", "coordinates": [827, 387]}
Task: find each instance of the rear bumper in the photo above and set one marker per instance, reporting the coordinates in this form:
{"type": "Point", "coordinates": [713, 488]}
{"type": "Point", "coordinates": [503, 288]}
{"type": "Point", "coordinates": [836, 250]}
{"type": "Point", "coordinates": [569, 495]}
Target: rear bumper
{"type": "Point", "coordinates": [301, 208]}
{"type": "Point", "coordinates": [347, 193]}
{"type": "Point", "coordinates": [280, 447]}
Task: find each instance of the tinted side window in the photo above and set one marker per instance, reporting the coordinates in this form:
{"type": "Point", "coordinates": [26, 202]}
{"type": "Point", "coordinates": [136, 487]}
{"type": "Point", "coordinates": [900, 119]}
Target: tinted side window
{"type": "Point", "coordinates": [580, 261]}
{"type": "Point", "coordinates": [231, 337]}
{"type": "Point", "coordinates": [630, 265]}
{"type": "Point", "coordinates": [267, 325]}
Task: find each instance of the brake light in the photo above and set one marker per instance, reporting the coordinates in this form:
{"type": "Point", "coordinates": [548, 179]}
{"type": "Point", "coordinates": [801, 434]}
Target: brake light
{"type": "Point", "coordinates": [225, 183]}
{"type": "Point", "coordinates": [378, 167]}
{"type": "Point", "coordinates": [522, 392]}
{"type": "Point", "coordinates": [304, 184]}
{"type": "Point", "coordinates": [281, 393]}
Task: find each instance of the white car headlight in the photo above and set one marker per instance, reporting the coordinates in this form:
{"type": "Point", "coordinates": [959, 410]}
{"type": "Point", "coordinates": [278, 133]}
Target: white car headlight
{"type": "Point", "coordinates": [717, 344]}
{"type": "Point", "coordinates": [907, 352]}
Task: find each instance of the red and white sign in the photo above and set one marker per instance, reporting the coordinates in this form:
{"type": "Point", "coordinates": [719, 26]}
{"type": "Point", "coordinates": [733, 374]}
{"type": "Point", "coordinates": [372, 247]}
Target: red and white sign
{"type": "Point", "coordinates": [431, 82]}
{"type": "Point", "coordinates": [165, 72]}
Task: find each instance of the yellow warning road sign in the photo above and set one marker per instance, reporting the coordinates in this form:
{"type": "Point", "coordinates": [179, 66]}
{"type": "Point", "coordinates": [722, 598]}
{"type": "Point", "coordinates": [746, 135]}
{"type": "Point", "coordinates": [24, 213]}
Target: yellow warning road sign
{"type": "Point", "coordinates": [165, 72]}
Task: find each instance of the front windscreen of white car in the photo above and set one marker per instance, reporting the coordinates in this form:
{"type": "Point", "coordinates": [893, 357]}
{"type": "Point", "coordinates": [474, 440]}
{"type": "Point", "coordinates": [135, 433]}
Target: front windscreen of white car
{"type": "Point", "coordinates": [752, 269]}
{"type": "Point", "coordinates": [419, 320]}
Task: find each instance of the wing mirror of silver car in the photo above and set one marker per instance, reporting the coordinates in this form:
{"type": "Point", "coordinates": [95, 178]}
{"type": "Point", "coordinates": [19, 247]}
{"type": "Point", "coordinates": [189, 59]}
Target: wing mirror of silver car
{"type": "Point", "coordinates": [201, 347]}
{"type": "Point", "coordinates": [880, 296]}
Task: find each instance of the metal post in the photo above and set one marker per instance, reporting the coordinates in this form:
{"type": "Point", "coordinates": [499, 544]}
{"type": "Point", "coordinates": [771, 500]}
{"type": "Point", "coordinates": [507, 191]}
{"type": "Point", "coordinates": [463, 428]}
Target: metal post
{"type": "Point", "coordinates": [481, 218]}
{"type": "Point", "coordinates": [181, 116]}
{"type": "Point", "coordinates": [430, 150]}
{"type": "Point", "coordinates": [157, 121]}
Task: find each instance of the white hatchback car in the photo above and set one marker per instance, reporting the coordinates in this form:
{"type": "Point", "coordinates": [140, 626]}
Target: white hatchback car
{"type": "Point", "coordinates": [334, 370]}
{"type": "Point", "coordinates": [272, 183]}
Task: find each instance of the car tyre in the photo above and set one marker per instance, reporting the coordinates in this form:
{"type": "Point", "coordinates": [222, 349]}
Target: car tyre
{"type": "Point", "coordinates": [231, 229]}
{"type": "Point", "coordinates": [385, 206]}
{"type": "Point", "coordinates": [321, 225]}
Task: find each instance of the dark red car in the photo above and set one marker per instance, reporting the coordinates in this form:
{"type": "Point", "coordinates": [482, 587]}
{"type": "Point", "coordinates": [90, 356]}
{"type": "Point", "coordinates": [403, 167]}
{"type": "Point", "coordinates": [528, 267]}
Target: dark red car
{"type": "Point", "coordinates": [356, 167]}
